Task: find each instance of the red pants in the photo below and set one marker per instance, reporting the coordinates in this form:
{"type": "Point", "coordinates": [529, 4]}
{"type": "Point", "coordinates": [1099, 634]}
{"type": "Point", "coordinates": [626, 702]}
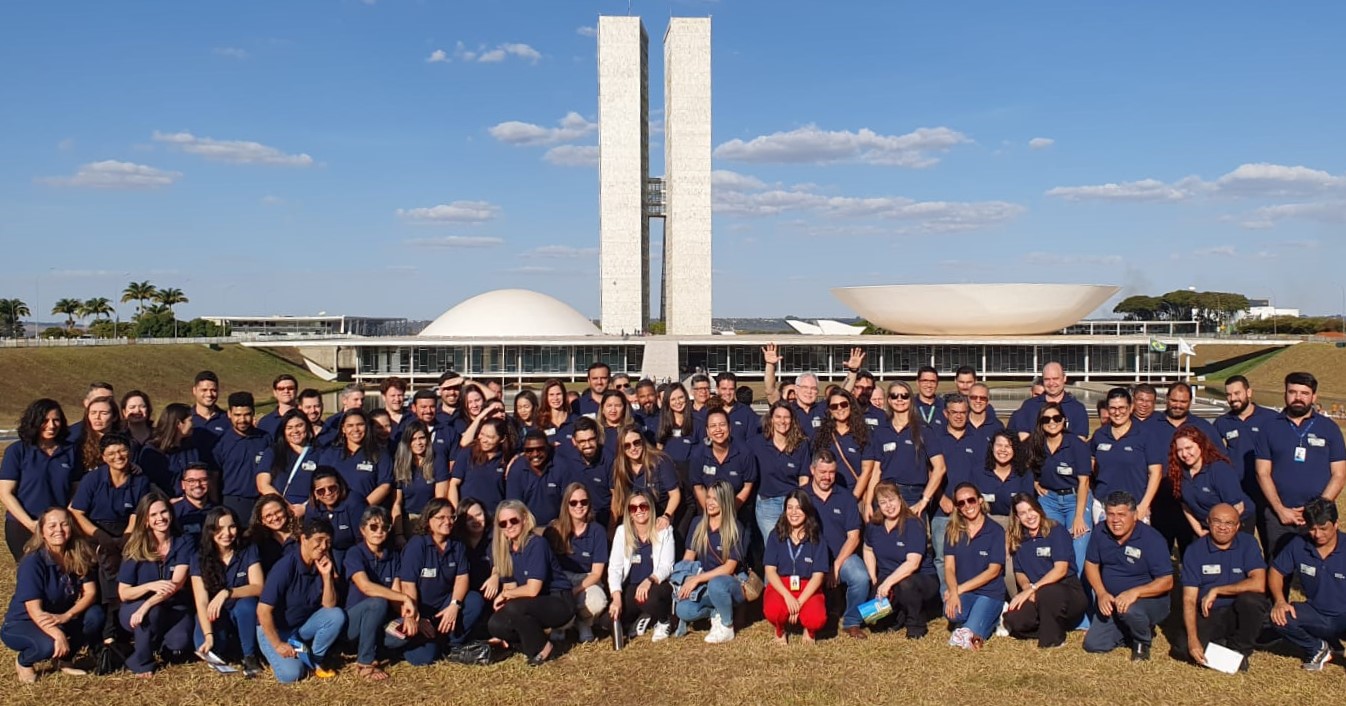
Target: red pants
{"type": "Point", "coordinates": [812, 615]}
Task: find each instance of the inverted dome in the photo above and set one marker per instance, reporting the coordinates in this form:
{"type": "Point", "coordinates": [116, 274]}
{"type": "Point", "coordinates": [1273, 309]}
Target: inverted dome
{"type": "Point", "coordinates": [974, 309]}
{"type": "Point", "coordinates": [511, 312]}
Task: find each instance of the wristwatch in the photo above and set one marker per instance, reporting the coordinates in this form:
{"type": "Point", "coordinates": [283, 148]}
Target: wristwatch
{"type": "Point", "coordinates": [455, 602]}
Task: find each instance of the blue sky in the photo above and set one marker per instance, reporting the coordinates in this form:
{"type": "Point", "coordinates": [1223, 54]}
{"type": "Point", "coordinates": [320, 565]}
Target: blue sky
{"type": "Point", "coordinates": [393, 157]}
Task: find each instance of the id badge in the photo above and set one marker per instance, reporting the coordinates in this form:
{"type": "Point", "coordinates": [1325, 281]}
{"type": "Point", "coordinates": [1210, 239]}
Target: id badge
{"type": "Point", "coordinates": [794, 583]}
{"type": "Point", "coordinates": [1301, 454]}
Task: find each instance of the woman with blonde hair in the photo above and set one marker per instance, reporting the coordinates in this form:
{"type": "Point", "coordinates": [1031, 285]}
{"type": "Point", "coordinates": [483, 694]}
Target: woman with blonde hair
{"type": "Point", "coordinates": [535, 594]}
{"type": "Point", "coordinates": [638, 465]}
{"type": "Point", "coordinates": [581, 549]}
{"type": "Point", "coordinates": [639, 567]}
{"type": "Point", "coordinates": [716, 543]}
{"type": "Point", "coordinates": [974, 567]}
{"type": "Point", "coordinates": [150, 583]}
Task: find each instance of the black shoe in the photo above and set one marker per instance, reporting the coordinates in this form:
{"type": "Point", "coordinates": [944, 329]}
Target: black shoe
{"type": "Point", "coordinates": [251, 667]}
{"type": "Point", "coordinates": [542, 657]}
{"type": "Point", "coordinates": [1243, 665]}
{"type": "Point", "coordinates": [916, 634]}
{"type": "Point", "coordinates": [1140, 652]}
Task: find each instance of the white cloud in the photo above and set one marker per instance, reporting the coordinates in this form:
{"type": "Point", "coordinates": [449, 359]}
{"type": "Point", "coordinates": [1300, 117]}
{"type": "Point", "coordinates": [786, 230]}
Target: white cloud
{"type": "Point", "coordinates": [111, 174]}
{"type": "Point", "coordinates": [573, 155]}
{"type": "Point", "coordinates": [232, 151]}
{"type": "Point", "coordinates": [1053, 259]}
{"type": "Point", "coordinates": [456, 241]}
{"type": "Point", "coordinates": [1253, 180]}
{"type": "Point", "coordinates": [811, 145]}
{"type": "Point", "coordinates": [482, 55]}
{"type": "Point", "coordinates": [1331, 212]}
{"type": "Point", "coordinates": [230, 52]}
{"type": "Point", "coordinates": [1041, 143]}
{"type": "Point", "coordinates": [454, 212]}
{"type": "Point", "coordinates": [586, 31]}
{"type": "Point", "coordinates": [438, 56]}
{"type": "Point", "coordinates": [1216, 250]}
{"type": "Point", "coordinates": [1143, 190]}
{"type": "Point", "coordinates": [561, 252]}
{"type": "Point", "coordinates": [571, 127]}
{"type": "Point", "coordinates": [734, 181]}
{"type": "Point", "coordinates": [1262, 179]}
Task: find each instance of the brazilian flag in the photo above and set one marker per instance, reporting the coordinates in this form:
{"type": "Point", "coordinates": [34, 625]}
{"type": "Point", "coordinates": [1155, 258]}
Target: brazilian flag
{"type": "Point", "coordinates": [1157, 345]}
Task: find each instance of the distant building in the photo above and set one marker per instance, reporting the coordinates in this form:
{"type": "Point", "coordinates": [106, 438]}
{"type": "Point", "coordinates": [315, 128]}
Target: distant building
{"type": "Point", "coordinates": [321, 325]}
{"type": "Point", "coordinates": [1262, 309]}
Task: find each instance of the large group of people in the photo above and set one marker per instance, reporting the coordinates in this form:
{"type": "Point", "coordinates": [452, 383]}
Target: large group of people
{"type": "Point", "coordinates": [440, 525]}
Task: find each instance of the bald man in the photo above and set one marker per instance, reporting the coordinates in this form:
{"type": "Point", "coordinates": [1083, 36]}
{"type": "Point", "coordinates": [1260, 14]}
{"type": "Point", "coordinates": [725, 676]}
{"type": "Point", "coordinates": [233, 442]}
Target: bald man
{"type": "Point", "coordinates": [1224, 581]}
{"type": "Point", "coordinates": [1053, 390]}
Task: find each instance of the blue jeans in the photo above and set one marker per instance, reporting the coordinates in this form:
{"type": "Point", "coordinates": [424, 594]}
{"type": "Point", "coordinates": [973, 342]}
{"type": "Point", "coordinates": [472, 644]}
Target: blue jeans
{"type": "Point", "coordinates": [769, 511]}
{"type": "Point", "coordinates": [424, 650]}
{"type": "Point", "coordinates": [1135, 626]}
{"type": "Point", "coordinates": [1309, 628]}
{"type": "Point", "coordinates": [34, 645]}
{"type": "Point", "coordinates": [855, 577]}
{"type": "Point", "coordinates": [1061, 508]}
{"type": "Point", "coordinates": [721, 595]}
{"type": "Point", "coordinates": [939, 524]}
{"type": "Point", "coordinates": [168, 626]}
{"type": "Point", "coordinates": [979, 614]}
{"type": "Point", "coordinates": [318, 633]}
{"type": "Point", "coordinates": [237, 622]}
{"type": "Point", "coordinates": [365, 623]}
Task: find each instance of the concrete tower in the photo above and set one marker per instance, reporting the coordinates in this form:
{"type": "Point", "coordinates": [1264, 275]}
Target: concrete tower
{"type": "Point", "coordinates": [687, 250]}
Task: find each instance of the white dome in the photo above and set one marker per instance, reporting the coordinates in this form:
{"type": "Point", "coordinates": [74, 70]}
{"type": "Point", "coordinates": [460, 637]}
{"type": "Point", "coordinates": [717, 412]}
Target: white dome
{"type": "Point", "coordinates": [511, 312]}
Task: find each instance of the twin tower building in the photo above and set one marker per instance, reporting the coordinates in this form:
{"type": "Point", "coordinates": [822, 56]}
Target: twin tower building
{"type": "Point", "coordinates": [629, 197]}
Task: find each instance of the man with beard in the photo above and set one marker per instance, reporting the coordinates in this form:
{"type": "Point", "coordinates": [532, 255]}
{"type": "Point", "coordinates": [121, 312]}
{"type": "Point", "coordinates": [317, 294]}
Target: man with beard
{"type": "Point", "coordinates": [236, 454]}
{"type": "Point", "coordinates": [839, 522]}
{"type": "Point", "coordinates": [1300, 456]}
{"type": "Point", "coordinates": [647, 407]}
{"type": "Point", "coordinates": [861, 383]}
{"type": "Point", "coordinates": [591, 402]}
{"type": "Point", "coordinates": [534, 480]}
{"type": "Point", "coordinates": [585, 463]}
{"type": "Point", "coordinates": [1240, 428]}
{"type": "Point", "coordinates": [424, 409]}
{"type": "Point", "coordinates": [450, 392]}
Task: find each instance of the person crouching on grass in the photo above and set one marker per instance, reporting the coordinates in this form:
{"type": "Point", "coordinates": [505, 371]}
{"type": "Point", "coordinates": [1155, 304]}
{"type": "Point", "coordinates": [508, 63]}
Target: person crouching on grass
{"type": "Point", "coordinates": [796, 566]}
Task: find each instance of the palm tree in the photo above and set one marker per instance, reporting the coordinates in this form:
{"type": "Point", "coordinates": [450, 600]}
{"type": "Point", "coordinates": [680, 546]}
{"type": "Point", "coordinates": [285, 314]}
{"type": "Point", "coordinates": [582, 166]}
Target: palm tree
{"type": "Point", "coordinates": [12, 312]}
{"type": "Point", "coordinates": [139, 292]}
{"type": "Point", "coordinates": [170, 297]}
{"type": "Point", "coordinates": [70, 308]}
{"type": "Point", "coordinates": [98, 308]}
{"type": "Point", "coordinates": [156, 310]}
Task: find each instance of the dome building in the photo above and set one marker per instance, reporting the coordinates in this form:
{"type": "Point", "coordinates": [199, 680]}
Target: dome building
{"type": "Point", "coordinates": [504, 313]}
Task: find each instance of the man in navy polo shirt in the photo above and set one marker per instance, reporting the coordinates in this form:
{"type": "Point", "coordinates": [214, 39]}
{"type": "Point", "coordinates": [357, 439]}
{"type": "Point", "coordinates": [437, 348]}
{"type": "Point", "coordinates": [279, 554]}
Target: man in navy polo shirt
{"type": "Point", "coordinates": [1240, 428]}
{"type": "Point", "coordinates": [1224, 580]}
{"type": "Point", "coordinates": [1143, 397]}
{"type": "Point", "coordinates": [743, 422]}
{"type": "Point", "coordinates": [1053, 390]}
{"type": "Point", "coordinates": [929, 405]}
{"type": "Point", "coordinates": [1026, 418]}
{"type": "Point", "coordinates": [450, 392]}
{"type": "Point", "coordinates": [236, 454]}
{"type": "Point", "coordinates": [583, 461]}
{"type": "Point", "coordinates": [208, 421]}
{"type": "Point", "coordinates": [647, 407]}
{"type": "Point", "coordinates": [534, 480]}
{"type": "Point", "coordinates": [1128, 566]}
{"type": "Point", "coordinates": [964, 454]}
{"type": "Point", "coordinates": [1321, 620]}
{"type": "Point", "coordinates": [981, 416]}
{"type": "Point", "coordinates": [443, 437]}
{"type": "Point", "coordinates": [190, 509]}
{"type": "Point", "coordinates": [809, 412]}
{"type": "Point", "coordinates": [1300, 456]}
{"type": "Point", "coordinates": [591, 401]}
{"type": "Point", "coordinates": [285, 388]}
{"type": "Point", "coordinates": [840, 520]}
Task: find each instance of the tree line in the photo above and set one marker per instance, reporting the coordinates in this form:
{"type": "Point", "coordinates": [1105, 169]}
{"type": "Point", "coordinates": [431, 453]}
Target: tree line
{"type": "Point", "coordinates": [154, 316]}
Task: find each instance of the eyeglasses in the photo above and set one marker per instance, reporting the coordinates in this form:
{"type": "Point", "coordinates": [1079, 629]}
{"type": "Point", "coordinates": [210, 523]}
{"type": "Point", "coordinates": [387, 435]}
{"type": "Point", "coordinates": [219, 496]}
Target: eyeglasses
{"type": "Point", "coordinates": [195, 481]}
{"type": "Point", "coordinates": [899, 396]}
{"type": "Point", "coordinates": [1051, 419]}
{"type": "Point", "coordinates": [579, 502]}
{"type": "Point", "coordinates": [638, 507]}
{"type": "Point", "coordinates": [510, 522]}
{"type": "Point", "coordinates": [967, 502]}
{"type": "Point", "coordinates": [839, 405]}
{"type": "Point", "coordinates": [622, 386]}
{"type": "Point", "coordinates": [979, 398]}
{"type": "Point", "coordinates": [326, 490]}
{"type": "Point", "coordinates": [286, 388]}
{"type": "Point", "coordinates": [376, 527]}
{"type": "Point", "coordinates": [535, 449]}
{"type": "Point", "coordinates": [637, 444]}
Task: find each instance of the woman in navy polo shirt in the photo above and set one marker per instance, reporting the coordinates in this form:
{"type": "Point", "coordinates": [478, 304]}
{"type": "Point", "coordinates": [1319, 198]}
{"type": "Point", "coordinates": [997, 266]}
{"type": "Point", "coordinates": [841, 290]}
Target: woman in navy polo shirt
{"type": "Point", "coordinates": [1203, 478]}
{"type": "Point", "coordinates": [526, 413]}
{"type": "Point", "coordinates": [796, 563]}
{"type": "Point", "coordinates": [478, 470]}
{"type": "Point", "coordinates": [170, 449]}
{"type": "Point", "coordinates": [138, 415]}
{"type": "Point", "coordinates": [272, 530]}
{"type": "Point", "coordinates": [974, 565]}
{"type": "Point", "coordinates": [677, 434]}
{"type": "Point", "coordinates": [373, 568]}
{"type": "Point", "coordinates": [54, 609]}
{"type": "Point", "coordinates": [1061, 464]}
{"type": "Point", "coordinates": [638, 569]}
{"type": "Point", "coordinates": [640, 466]}
{"type": "Point", "coordinates": [38, 471]}
{"type": "Point", "coordinates": [419, 474]}
{"type": "Point", "coordinates": [555, 416]}
{"type": "Point", "coordinates": [614, 414]}
{"type": "Point", "coordinates": [581, 549]}
{"type": "Point", "coordinates": [846, 441]}
{"type": "Point", "coordinates": [101, 417]}
{"type": "Point", "coordinates": [781, 452]}
{"type": "Point", "coordinates": [333, 501]}
{"type": "Point", "coordinates": [722, 460]}
{"type": "Point", "coordinates": [898, 558]}
{"type": "Point", "coordinates": [435, 573]}
{"type": "Point", "coordinates": [1051, 599]}
{"type": "Point", "coordinates": [716, 541]}
{"type": "Point", "coordinates": [472, 527]}
{"type": "Point", "coordinates": [356, 456]}
{"type": "Point", "coordinates": [906, 454]}
{"type": "Point", "coordinates": [535, 594]}
{"type": "Point", "coordinates": [226, 581]}
{"type": "Point", "coordinates": [104, 507]}
{"type": "Point", "coordinates": [1125, 458]}
{"type": "Point", "coordinates": [286, 468]}
{"type": "Point", "coordinates": [298, 619]}
{"type": "Point", "coordinates": [156, 605]}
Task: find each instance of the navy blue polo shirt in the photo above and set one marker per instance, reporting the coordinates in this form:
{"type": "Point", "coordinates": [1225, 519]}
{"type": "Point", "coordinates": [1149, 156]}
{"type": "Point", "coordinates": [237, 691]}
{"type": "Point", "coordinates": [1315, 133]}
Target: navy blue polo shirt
{"type": "Point", "coordinates": [236, 571]}
{"type": "Point", "coordinates": [139, 573]}
{"type": "Point", "coordinates": [443, 437]}
{"type": "Point", "coordinates": [664, 476]}
{"type": "Point", "coordinates": [479, 561]}
{"type": "Point", "coordinates": [586, 550]}
{"type": "Point", "coordinates": [716, 553]}
{"type": "Point", "coordinates": [1026, 418]}
{"type": "Point", "coordinates": [362, 473]}
{"type": "Point", "coordinates": [641, 565]}
{"type": "Point", "coordinates": [536, 562]}
{"type": "Point", "coordinates": [778, 471]}
{"type": "Point", "coordinates": [207, 431]}
{"type": "Point", "coordinates": [891, 548]}
{"type": "Point", "coordinates": [1124, 464]}
{"type": "Point", "coordinates": [380, 570]}
{"type": "Point", "coordinates": [270, 423]}
{"type": "Point", "coordinates": [850, 459]}
{"type": "Point", "coordinates": [743, 423]}
{"type": "Point", "coordinates": [586, 405]}
{"type": "Point", "coordinates": [191, 518]}
{"type": "Point", "coordinates": [810, 419]}
{"type": "Point", "coordinates": [1036, 556]}
{"type": "Point", "coordinates": [988, 428]}
{"type": "Point", "coordinates": [873, 416]}
{"type": "Point", "coordinates": [931, 414]}
{"type": "Point", "coordinates": [1142, 558]}
{"type": "Point", "coordinates": [1299, 481]}
{"type": "Point", "coordinates": [237, 457]}
{"type": "Point", "coordinates": [898, 458]}
{"type": "Point", "coordinates": [973, 555]}
{"type": "Point", "coordinates": [345, 519]}
{"type": "Point", "coordinates": [1240, 437]}
{"type": "Point", "coordinates": [1322, 579]}
{"type": "Point", "coordinates": [838, 515]}
{"type": "Point", "coordinates": [790, 559]}
{"type": "Point", "coordinates": [595, 476]}
{"type": "Point", "coordinates": [540, 492]}
{"type": "Point", "coordinates": [293, 590]}
{"type": "Point", "coordinates": [1164, 430]}
{"type": "Point", "coordinates": [446, 419]}
{"type": "Point", "coordinates": [1062, 469]}
{"type": "Point", "coordinates": [963, 458]}
{"type": "Point", "coordinates": [679, 446]}
{"type": "Point", "coordinates": [433, 571]}
{"type": "Point", "coordinates": [165, 470]}
{"type": "Point", "coordinates": [293, 481]}
{"type": "Point", "coordinates": [1217, 483]}
{"type": "Point", "coordinates": [106, 504]}
{"type": "Point", "coordinates": [418, 491]}
{"type": "Point", "coordinates": [699, 421]}
{"type": "Point", "coordinates": [39, 578]}
{"type": "Point", "coordinates": [43, 481]}
{"type": "Point", "coordinates": [738, 467]}
{"type": "Point", "coordinates": [997, 493]}
{"type": "Point", "coordinates": [484, 481]}
{"type": "Point", "coordinates": [1205, 566]}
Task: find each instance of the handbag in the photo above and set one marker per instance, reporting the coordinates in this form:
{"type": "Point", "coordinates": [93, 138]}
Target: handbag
{"type": "Point", "coordinates": [752, 586]}
{"type": "Point", "coordinates": [477, 652]}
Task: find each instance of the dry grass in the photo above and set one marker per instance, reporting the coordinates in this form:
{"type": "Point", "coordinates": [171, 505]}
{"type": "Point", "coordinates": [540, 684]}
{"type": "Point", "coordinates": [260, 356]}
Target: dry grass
{"type": "Point", "coordinates": [1324, 360]}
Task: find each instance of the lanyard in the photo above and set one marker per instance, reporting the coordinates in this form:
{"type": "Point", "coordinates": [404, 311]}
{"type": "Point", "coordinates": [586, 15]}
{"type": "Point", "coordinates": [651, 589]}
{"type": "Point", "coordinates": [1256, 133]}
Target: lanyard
{"type": "Point", "coordinates": [294, 469]}
{"type": "Point", "coordinates": [1305, 432]}
{"type": "Point", "coordinates": [924, 415]}
{"type": "Point", "coordinates": [794, 555]}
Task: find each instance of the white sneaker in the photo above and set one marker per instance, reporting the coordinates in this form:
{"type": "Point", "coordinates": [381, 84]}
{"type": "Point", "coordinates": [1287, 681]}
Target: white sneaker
{"type": "Point", "coordinates": [1000, 630]}
{"type": "Point", "coordinates": [719, 631]}
{"type": "Point", "coordinates": [642, 625]}
{"type": "Point", "coordinates": [660, 632]}
{"type": "Point", "coordinates": [586, 632]}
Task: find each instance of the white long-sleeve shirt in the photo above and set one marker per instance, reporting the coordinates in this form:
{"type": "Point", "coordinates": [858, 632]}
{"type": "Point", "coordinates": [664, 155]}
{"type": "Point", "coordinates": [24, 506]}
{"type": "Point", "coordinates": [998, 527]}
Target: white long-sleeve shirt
{"type": "Point", "coordinates": [619, 563]}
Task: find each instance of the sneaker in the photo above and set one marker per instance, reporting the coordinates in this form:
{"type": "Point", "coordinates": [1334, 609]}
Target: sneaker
{"type": "Point", "coordinates": [251, 667]}
{"type": "Point", "coordinates": [642, 625]}
{"type": "Point", "coordinates": [586, 633]}
{"type": "Point", "coordinates": [660, 632]}
{"type": "Point", "coordinates": [962, 637]}
{"type": "Point", "coordinates": [1140, 652]}
{"type": "Point", "coordinates": [682, 628]}
{"type": "Point", "coordinates": [1000, 630]}
{"type": "Point", "coordinates": [1319, 659]}
{"type": "Point", "coordinates": [719, 631]}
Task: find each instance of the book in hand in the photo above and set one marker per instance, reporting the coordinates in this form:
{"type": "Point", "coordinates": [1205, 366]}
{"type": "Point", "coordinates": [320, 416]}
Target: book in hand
{"type": "Point", "coordinates": [214, 662]}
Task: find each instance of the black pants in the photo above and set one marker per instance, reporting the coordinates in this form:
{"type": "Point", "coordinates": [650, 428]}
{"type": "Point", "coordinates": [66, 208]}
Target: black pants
{"type": "Point", "coordinates": [1235, 626]}
{"type": "Point", "coordinates": [16, 535]}
{"type": "Point", "coordinates": [911, 598]}
{"type": "Point", "coordinates": [658, 604]}
{"type": "Point", "coordinates": [1277, 535]}
{"type": "Point", "coordinates": [1057, 609]}
{"type": "Point", "coordinates": [522, 622]}
{"type": "Point", "coordinates": [241, 506]}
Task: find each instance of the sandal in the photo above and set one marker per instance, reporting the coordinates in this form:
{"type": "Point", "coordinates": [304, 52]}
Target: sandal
{"type": "Point", "coordinates": [69, 669]}
{"type": "Point", "coordinates": [370, 672]}
{"type": "Point", "coordinates": [27, 675]}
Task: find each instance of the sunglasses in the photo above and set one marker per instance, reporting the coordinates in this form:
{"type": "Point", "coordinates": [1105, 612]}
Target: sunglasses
{"type": "Point", "coordinates": [622, 386]}
{"type": "Point", "coordinates": [286, 389]}
{"type": "Point", "coordinates": [967, 502]}
{"type": "Point", "coordinates": [639, 507]}
{"type": "Point", "coordinates": [899, 396]}
{"type": "Point", "coordinates": [326, 490]}
{"type": "Point", "coordinates": [979, 398]}
{"type": "Point", "coordinates": [509, 522]}
{"type": "Point", "coordinates": [376, 527]}
{"type": "Point", "coordinates": [1052, 419]}
{"type": "Point", "coordinates": [579, 502]}
{"type": "Point", "coordinates": [637, 444]}
{"type": "Point", "coordinates": [839, 405]}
